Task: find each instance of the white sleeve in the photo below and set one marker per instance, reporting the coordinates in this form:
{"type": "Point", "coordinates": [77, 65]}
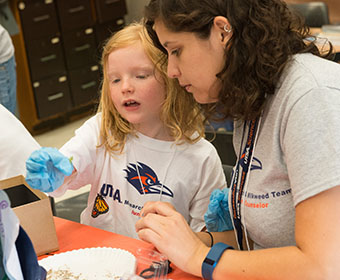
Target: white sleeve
{"type": "Point", "coordinates": [16, 145]}
{"type": "Point", "coordinates": [82, 149]}
{"type": "Point", "coordinates": [211, 178]}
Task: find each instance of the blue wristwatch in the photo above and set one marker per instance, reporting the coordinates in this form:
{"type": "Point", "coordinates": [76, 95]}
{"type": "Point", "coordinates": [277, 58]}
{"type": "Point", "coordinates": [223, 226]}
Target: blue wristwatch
{"type": "Point", "coordinates": [212, 259]}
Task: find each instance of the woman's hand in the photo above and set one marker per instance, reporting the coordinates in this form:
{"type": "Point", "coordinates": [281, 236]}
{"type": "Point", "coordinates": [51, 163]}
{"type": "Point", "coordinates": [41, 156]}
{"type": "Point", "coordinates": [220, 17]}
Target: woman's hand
{"type": "Point", "coordinates": [163, 226]}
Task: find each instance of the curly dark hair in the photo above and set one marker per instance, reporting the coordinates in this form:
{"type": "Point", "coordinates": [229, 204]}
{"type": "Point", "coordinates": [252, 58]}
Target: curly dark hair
{"type": "Point", "coordinates": [265, 36]}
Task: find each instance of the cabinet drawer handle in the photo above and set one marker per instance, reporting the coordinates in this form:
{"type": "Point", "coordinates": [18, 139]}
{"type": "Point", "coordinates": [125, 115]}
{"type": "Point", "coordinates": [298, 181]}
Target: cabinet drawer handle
{"type": "Point", "coordinates": [48, 58]}
{"type": "Point", "coordinates": [94, 68]}
{"type": "Point", "coordinates": [55, 40]}
{"type": "Point", "coordinates": [55, 96]}
{"type": "Point", "coordinates": [108, 2]}
{"type": "Point", "coordinates": [120, 21]}
{"type": "Point", "coordinates": [88, 31]}
{"type": "Point", "coordinates": [88, 85]}
{"type": "Point", "coordinates": [41, 18]}
{"type": "Point", "coordinates": [82, 48]}
{"type": "Point", "coordinates": [76, 9]}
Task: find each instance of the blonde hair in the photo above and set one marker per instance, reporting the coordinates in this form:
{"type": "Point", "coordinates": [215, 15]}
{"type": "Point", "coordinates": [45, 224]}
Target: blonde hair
{"type": "Point", "coordinates": [180, 112]}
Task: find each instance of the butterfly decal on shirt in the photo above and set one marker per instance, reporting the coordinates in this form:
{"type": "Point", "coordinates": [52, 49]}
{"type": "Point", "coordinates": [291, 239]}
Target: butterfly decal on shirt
{"type": "Point", "coordinates": [99, 207]}
{"type": "Point", "coordinates": [147, 182]}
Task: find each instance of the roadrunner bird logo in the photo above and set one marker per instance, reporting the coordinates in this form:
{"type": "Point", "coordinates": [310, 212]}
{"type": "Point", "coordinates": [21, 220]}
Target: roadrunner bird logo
{"type": "Point", "coordinates": [148, 182]}
{"type": "Point", "coordinates": [100, 206]}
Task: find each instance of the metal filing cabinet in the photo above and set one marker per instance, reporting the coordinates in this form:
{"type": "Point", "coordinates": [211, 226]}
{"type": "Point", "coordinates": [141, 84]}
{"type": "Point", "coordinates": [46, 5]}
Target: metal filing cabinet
{"type": "Point", "coordinates": [84, 84]}
{"type": "Point", "coordinates": [110, 18]}
{"type": "Point", "coordinates": [38, 19]}
{"type": "Point", "coordinates": [45, 57]}
{"type": "Point", "coordinates": [52, 95]}
{"type": "Point", "coordinates": [80, 48]}
{"type": "Point", "coordinates": [106, 29]}
{"type": "Point", "coordinates": [58, 53]}
{"type": "Point", "coordinates": [107, 10]}
{"type": "Point", "coordinates": [74, 14]}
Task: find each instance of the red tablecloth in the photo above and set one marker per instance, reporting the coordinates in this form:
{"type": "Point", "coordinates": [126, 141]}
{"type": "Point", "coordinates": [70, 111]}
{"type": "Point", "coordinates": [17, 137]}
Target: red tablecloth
{"type": "Point", "coordinates": [73, 236]}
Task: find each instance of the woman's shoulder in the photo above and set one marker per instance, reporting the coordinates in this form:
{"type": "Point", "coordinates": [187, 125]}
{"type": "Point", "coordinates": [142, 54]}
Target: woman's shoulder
{"type": "Point", "coordinates": [320, 71]}
{"type": "Point", "coordinates": [307, 73]}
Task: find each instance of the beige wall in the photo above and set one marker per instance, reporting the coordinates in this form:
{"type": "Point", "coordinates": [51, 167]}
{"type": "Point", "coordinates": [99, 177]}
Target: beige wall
{"type": "Point", "coordinates": [135, 9]}
{"type": "Point", "coordinates": [333, 7]}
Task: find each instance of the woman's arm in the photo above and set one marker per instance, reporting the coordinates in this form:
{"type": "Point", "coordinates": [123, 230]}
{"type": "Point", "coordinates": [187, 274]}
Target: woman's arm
{"type": "Point", "coordinates": [316, 255]}
{"type": "Point", "coordinates": [227, 237]}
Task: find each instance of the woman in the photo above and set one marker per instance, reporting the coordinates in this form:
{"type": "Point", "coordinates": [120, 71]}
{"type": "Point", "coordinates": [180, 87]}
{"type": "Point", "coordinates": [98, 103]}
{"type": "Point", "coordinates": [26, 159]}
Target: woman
{"type": "Point", "coordinates": [252, 60]}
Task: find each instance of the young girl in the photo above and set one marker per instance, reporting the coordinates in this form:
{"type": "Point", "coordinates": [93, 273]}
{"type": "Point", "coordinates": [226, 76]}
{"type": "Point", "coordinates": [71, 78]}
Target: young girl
{"type": "Point", "coordinates": [145, 143]}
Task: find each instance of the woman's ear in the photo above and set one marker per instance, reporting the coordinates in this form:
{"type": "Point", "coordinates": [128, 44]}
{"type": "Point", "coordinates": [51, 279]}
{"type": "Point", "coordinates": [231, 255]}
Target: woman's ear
{"type": "Point", "coordinates": [223, 27]}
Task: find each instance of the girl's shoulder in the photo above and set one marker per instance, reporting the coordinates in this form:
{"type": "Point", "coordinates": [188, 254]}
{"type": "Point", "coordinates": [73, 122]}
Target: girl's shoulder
{"type": "Point", "coordinates": [202, 147]}
{"type": "Point", "coordinates": [93, 121]}
{"type": "Point", "coordinates": [90, 128]}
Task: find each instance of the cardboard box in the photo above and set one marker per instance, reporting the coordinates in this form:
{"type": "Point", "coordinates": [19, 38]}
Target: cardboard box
{"type": "Point", "coordinates": [33, 208]}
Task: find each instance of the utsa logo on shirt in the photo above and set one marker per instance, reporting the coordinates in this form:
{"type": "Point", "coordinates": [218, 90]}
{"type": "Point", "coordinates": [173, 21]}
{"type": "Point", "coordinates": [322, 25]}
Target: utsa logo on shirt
{"type": "Point", "coordinates": [145, 180]}
{"type": "Point", "coordinates": [255, 164]}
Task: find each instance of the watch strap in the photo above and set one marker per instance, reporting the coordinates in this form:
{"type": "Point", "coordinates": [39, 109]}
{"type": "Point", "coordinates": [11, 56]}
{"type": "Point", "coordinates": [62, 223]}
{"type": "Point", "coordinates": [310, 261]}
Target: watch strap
{"type": "Point", "coordinates": [212, 259]}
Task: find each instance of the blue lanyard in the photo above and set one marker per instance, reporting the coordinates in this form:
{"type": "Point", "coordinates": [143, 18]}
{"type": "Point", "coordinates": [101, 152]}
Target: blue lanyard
{"type": "Point", "coordinates": [240, 176]}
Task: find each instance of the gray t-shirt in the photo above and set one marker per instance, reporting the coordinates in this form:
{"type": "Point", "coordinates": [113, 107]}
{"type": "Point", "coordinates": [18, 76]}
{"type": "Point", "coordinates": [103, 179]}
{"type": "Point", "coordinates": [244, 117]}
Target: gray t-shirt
{"type": "Point", "coordinates": [297, 154]}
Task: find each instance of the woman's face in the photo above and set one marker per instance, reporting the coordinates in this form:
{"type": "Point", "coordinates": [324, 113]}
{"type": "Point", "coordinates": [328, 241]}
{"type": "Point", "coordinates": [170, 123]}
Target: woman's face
{"type": "Point", "coordinates": [193, 61]}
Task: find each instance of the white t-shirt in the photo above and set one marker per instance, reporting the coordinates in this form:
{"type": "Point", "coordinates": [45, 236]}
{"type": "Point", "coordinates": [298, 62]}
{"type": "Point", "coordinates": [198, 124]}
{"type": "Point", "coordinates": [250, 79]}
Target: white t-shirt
{"type": "Point", "coordinates": [6, 45]}
{"type": "Point", "coordinates": [297, 154]}
{"type": "Point", "coordinates": [16, 145]}
{"type": "Point", "coordinates": [183, 175]}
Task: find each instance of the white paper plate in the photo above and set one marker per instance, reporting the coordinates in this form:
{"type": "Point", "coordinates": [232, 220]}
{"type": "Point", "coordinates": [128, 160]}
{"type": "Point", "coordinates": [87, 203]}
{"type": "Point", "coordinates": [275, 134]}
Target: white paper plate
{"type": "Point", "coordinates": [89, 263]}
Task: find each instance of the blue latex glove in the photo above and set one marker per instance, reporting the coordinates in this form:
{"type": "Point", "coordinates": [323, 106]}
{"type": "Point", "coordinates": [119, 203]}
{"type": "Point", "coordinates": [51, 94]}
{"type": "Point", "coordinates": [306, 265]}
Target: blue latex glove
{"type": "Point", "coordinates": [217, 217]}
{"type": "Point", "coordinates": [46, 169]}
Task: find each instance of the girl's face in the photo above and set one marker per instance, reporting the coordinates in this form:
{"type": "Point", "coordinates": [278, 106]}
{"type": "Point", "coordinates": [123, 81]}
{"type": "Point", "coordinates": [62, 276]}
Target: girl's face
{"type": "Point", "coordinates": [193, 61]}
{"type": "Point", "coordinates": [136, 92]}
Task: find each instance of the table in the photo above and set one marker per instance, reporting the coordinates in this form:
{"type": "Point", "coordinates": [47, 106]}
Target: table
{"type": "Point", "coordinates": [73, 236]}
{"type": "Point", "coordinates": [333, 37]}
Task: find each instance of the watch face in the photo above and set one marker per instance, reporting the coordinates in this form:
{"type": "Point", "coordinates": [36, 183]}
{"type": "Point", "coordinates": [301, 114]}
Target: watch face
{"type": "Point", "coordinates": [209, 261]}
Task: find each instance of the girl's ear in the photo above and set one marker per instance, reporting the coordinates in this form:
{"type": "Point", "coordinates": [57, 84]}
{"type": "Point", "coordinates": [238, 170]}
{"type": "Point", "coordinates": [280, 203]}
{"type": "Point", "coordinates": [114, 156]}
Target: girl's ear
{"type": "Point", "coordinates": [223, 27]}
